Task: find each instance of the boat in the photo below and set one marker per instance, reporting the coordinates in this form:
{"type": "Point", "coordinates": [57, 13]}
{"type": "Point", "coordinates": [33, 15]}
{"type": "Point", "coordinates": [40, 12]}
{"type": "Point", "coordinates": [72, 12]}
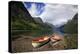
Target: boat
{"type": "Point", "coordinates": [37, 42]}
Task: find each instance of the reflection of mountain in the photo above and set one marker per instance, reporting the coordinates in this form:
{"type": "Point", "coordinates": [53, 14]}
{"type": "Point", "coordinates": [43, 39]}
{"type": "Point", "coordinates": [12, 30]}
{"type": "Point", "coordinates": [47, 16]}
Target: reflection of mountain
{"type": "Point", "coordinates": [22, 20]}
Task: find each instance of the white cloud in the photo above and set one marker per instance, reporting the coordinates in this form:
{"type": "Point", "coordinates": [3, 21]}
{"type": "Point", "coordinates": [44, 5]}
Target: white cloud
{"type": "Point", "coordinates": [56, 14]}
{"type": "Point", "coordinates": [33, 10]}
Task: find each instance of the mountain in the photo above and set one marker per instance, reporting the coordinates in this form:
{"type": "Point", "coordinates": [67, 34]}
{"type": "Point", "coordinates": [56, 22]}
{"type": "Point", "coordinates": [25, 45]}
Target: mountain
{"type": "Point", "coordinates": [45, 25]}
{"type": "Point", "coordinates": [21, 20]}
{"type": "Point", "coordinates": [38, 20]}
{"type": "Point", "coordinates": [76, 17]}
{"type": "Point", "coordinates": [20, 17]}
{"type": "Point", "coordinates": [72, 25]}
{"type": "Point", "coordinates": [18, 9]}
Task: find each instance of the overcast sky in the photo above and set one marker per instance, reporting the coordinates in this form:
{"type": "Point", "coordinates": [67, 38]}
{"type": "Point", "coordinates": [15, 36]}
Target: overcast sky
{"type": "Point", "coordinates": [56, 14]}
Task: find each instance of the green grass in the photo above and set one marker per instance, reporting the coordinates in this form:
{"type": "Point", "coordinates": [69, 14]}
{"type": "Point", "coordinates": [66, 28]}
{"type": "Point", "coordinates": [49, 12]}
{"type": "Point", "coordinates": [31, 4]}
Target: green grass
{"type": "Point", "coordinates": [71, 41]}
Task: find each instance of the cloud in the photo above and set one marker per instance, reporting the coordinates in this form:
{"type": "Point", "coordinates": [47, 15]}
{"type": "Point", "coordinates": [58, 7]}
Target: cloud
{"type": "Point", "coordinates": [56, 14]}
{"type": "Point", "coordinates": [35, 9]}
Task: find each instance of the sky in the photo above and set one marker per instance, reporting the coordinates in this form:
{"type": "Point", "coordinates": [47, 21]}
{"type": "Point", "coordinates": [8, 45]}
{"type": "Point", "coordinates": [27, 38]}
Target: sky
{"type": "Point", "coordinates": [56, 14]}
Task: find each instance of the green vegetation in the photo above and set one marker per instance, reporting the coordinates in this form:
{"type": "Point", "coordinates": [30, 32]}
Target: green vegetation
{"type": "Point", "coordinates": [71, 41]}
{"type": "Point", "coordinates": [71, 31]}
{"type": "Point", "coordinates": [72, 26]}
{"type": "Point", "coordinates": [23, 23]}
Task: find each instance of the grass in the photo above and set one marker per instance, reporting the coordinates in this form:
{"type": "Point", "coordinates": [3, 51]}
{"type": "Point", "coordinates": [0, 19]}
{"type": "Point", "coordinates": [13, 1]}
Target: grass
{"type": "Point", "coordinates": [71, 41]}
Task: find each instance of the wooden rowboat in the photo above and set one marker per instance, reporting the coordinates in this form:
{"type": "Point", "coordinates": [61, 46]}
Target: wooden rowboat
{"type": "Point", "coordinates": [37, 42]}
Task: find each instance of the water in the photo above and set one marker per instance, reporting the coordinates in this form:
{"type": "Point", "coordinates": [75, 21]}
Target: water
{"type": "Point", "coordinates": [59, 31]}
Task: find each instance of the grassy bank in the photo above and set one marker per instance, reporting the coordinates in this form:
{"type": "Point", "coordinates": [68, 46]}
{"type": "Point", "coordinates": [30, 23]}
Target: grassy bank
{"type": "Point", "coordinates": [71, 41]}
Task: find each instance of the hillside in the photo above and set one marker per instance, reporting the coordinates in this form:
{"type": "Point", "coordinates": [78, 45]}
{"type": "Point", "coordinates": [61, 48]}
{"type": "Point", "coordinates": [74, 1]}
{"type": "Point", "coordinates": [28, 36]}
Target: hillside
{"type": "Point", "coordinates": [23, 22]}
{"type": "Point", "coordinates": [71, 33]}
{"type": "Point", "coordinates": [72, 25]}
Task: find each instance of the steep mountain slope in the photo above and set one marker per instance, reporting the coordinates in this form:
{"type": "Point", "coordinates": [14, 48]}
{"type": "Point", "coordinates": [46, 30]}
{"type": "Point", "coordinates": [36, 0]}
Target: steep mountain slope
{"type": "Point", "coordinates": [22, 21]}
{"type": "Point", "coordinates": [72, 25]}
{"type": "Point", "coordinates": [38, 20]}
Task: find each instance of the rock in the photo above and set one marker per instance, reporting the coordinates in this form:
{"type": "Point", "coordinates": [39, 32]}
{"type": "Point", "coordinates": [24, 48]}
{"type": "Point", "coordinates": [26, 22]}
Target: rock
{"type": "Point", "coordinates": [59, 45]}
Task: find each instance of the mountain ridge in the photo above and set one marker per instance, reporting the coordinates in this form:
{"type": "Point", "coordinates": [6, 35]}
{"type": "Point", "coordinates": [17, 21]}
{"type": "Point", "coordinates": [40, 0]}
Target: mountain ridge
{"type": "Point", "coordinates": [22, 20]}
